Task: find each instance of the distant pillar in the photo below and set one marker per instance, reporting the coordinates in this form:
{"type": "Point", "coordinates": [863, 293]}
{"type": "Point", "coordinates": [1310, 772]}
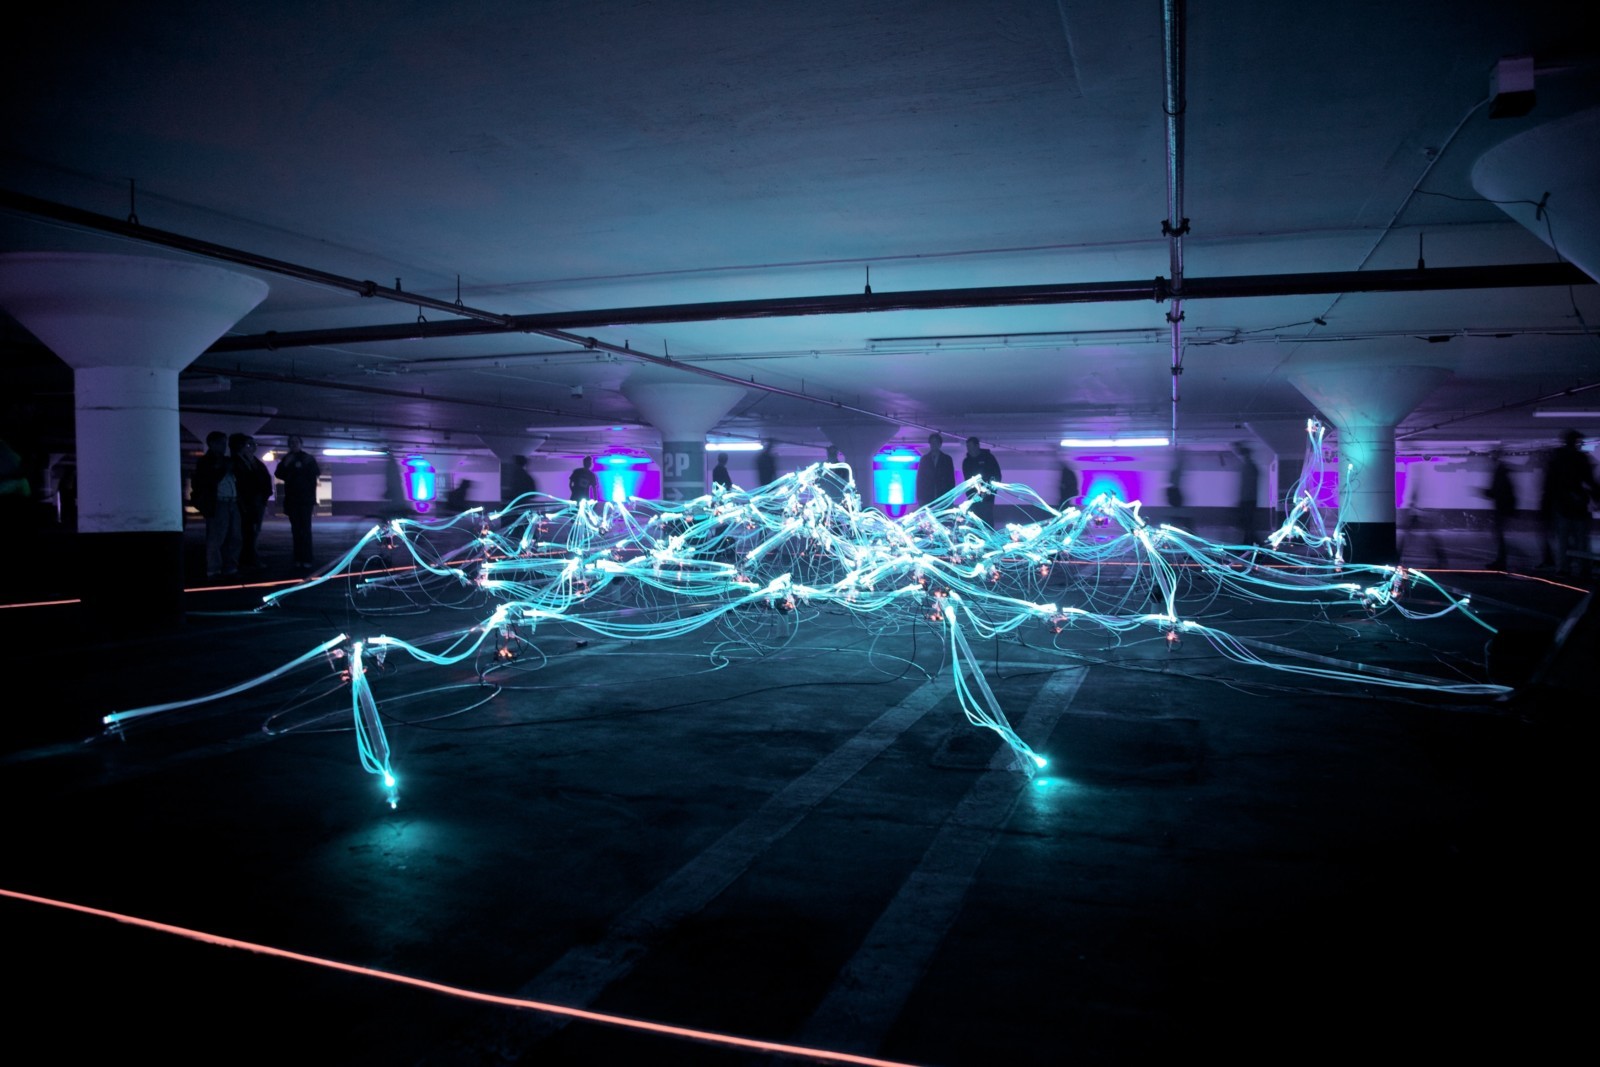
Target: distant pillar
{"type": "Point", "coordinates": [1364, 403]}
{"type": "Point", "coordinates": [858, 444]}
{"type": "Point", "coordinates": [682, 410]}
{"type": "Point", "coordinates": [127, 325]}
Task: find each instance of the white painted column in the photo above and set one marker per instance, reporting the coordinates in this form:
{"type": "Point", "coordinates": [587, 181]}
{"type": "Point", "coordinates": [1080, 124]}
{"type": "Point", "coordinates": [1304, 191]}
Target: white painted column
{"type": "Point", "coordinates": [683, 410]}
{"type": "Point", "coordinates": [127, 325]}
{"type": "Point", "coordinates": [1364, 403]}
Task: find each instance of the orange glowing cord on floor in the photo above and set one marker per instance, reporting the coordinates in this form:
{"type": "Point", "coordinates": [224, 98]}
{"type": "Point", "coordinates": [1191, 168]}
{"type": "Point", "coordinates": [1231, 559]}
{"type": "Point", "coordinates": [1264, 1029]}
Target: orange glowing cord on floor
{"type": "Point", "coordinates": [604, 1019]}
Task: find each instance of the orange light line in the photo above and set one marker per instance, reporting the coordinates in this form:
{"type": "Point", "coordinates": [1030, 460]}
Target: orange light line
{"type": "Point", "coordinates": [603, 1018]}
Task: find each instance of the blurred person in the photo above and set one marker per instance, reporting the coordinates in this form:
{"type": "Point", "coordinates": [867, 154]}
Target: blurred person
{"type": "Point", "coordinates": [719, 474]}
{"type": "Point", "coordinates": [1067, 486]}
{"type": "Point", "coordinates": [1503, 504]}
{"type": "Point", "coordinates": [767, 463]}
{"type": "Point", "coordinates": [515, 480]}
{"type": "Point", "coordinates": [1569, 483]}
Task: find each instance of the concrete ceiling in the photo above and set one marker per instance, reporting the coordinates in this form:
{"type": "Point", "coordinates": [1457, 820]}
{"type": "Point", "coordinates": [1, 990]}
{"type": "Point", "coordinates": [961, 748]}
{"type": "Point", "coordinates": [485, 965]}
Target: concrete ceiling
{"type": "Point", "coordinates": [550, 158]}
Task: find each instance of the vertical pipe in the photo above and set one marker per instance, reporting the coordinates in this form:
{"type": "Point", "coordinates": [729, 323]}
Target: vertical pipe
{"type": "Point", "coordinates": [1175, 225]}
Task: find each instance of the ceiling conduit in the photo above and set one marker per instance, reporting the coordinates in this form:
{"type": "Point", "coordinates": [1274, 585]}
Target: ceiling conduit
{"type": "Point", "coordinates": [1175, 225]}
{"type": "Point", "coordinates": [477, 321]}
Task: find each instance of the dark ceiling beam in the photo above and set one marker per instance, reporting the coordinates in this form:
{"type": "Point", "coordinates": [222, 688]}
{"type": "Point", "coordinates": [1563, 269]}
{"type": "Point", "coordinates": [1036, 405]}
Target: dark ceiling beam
{"type": "Point", "coordinates": [1508, 276]}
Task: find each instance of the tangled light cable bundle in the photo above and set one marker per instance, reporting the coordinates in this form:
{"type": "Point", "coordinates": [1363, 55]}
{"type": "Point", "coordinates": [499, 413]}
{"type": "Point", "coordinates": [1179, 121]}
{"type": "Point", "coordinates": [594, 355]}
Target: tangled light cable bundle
{"type": "Point", "coordinates": [753, 564]}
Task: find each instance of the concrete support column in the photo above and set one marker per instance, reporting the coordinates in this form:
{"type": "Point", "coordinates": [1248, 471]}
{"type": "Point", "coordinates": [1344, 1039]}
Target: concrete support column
{"type": "Point", "coordinates": [683, 411]}
{"type": "Point", "coordinates": [1365, 403]}
{"type": "Point", "coordinates": [858, 443]}
{"type": "Point", "coordinates": [1366, 480]}
{"type": "Point", "coordinates": [127, 325]}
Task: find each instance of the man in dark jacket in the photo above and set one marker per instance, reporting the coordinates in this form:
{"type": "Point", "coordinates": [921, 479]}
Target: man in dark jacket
{"type": "Point", "coordinates": [936, 473]}
{"type": "Point", "coordinates": [980, 460]}
{"type": "Point", "coordinates": [298, 471]}
{"type": "Point", "coordinates": [214, 491]}
{"type": "Point", "coordinates": [1569, 483]}
{"type": "Point", "coordinates": [255, 489]}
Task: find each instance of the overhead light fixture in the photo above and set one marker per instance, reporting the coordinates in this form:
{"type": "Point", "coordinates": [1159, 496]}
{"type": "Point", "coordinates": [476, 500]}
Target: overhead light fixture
{"type": "Point", "coordinates": [1114, 442]}
{"type": "Point", "coordinates": [733, 446]}
{"type": "Point", "coordinates": [1567, 413]}
{"type": "Point", "coordinates": [346, 452]}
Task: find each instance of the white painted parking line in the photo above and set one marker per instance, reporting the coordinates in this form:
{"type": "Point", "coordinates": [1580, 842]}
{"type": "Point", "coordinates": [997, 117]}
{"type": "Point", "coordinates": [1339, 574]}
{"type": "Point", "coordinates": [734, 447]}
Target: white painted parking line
{"type": "Point", "coordinates": [873, 987]}
{"type": "Point", "coordinates": [579, 976]}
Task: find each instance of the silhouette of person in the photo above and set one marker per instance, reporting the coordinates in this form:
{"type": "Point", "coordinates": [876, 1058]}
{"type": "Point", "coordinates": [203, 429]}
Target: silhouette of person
{"type": "Point", "coordinates": [214, 491]}
{"type": "Point", "coordinates": [1244, 513]}
{"type": "Point", "coordinates": [455, 501]}
{"type": "Point", "coordinates": [981, 461]}
{"type": "Point", "coordinates": [1419, 522]}
{"type": "Point", "coordinates": [515, 479]}
{"type": "Point", "coordinates": [583, 483]}
{"type": "Point", "coordinates": [255, 489]}
{"type": "Point", "coordinates": [1066, 485]}
{"type": "Point", "coordinates": [1503, 502]}
{"type": "Point", "coordinates": [767, 463]}
{"type": "Point", "coordinates": [395, 501]}
{"type": "Point", "coordinates": [299, 473]}
{"type": "Point", "coordinates": [936, 473]}
{"type": "Point", "coordinates": [719, 474]}
{"type": "Point", "coordinates": [1570, 485]}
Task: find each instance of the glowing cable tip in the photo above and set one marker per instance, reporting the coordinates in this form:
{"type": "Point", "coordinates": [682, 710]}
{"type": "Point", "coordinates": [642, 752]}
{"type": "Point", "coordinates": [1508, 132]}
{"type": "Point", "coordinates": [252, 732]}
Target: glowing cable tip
{"type": "Point", "coordinates": [388, 781]}
{"type": "Point", "coordinates": [1041, 761]}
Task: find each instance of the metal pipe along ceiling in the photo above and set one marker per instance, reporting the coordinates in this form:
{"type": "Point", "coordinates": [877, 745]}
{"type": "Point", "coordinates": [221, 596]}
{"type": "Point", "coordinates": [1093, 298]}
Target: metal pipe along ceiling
{"type": "Point", "coordinates": [1175, 226]}
{"type": "Point", "coordinates": [477, 321]}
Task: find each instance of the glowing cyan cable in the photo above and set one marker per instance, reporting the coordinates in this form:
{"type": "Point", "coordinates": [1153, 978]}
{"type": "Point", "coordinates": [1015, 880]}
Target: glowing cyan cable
{"type": "Point", "coordinates": [118, 717]}
{"type": "Point", "coordinates": [753, 565]}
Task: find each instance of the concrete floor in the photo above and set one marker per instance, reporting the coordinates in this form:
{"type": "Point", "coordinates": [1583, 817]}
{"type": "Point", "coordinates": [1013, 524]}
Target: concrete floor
{"type": "Point", "coordinates": [798, 840]}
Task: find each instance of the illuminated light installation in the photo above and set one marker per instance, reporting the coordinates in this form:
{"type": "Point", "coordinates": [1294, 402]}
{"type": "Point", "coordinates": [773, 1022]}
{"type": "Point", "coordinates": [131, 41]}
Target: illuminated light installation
{"type": "Point", "coordinates": [624, 476]}
{"type": "Point", "coordinates": [650, 570]}
{"type": "Point", "coordinates": [894, 480]}
{"type": "Point", "coordinates": [420, 482]}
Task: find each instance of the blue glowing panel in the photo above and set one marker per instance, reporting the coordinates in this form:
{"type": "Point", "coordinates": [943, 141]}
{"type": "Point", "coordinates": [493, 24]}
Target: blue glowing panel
{"type": "Point", "coordinates": [420, 480]}
{"type": "Point", "coordinates": [1124, 485]}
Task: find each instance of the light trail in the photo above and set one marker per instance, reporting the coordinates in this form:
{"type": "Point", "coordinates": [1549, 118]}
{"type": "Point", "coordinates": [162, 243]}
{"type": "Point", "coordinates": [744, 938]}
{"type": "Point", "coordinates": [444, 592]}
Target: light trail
{"type": "Point", "coordinates": [624, 1022]}
{"type": "Point", "coordinates": [752, 566]}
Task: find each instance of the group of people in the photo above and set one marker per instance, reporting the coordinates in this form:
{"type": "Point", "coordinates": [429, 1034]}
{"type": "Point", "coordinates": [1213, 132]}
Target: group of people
{"type": "Point", "coordinates": [936, 474]}
{"type": "Point", "coordinates": [230, 489]}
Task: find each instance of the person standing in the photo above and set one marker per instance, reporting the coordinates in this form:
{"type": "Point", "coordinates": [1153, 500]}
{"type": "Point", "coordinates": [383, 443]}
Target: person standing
{"type": "Point", "coordinates": [1569, 483]}
{"type": "Point", "coordinates": [720, 478]}
{"type": "Point", "coordinates": [214, 491]}
{"type": "Point", "coordinates": [1067, 486]}
{"type": "Point", "coordinates": [255, 489]}
{"type": "Point", "coordinates": [1503, 500]}
{"type": "Point", "coordinates": [936, 473]}
{"type": "Point", "coordinates": [583, 482]}
{"type": "Point", "coordinates": [981, 461]}
{"type": "Point", "coordinates": [767, 463]}
{"type": "Point", "coordinates": [515, 481]}
{"type": "Point", "coordinates": [299, 473]}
